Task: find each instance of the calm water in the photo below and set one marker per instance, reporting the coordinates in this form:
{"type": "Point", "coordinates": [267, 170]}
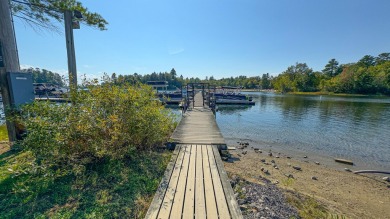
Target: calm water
{"type": "Point", "coordinates": [356, 128]}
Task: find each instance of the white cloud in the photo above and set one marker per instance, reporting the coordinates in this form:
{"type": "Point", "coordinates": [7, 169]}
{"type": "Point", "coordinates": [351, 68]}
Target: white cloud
{"type": "Point", "coordinates": [175, 51]}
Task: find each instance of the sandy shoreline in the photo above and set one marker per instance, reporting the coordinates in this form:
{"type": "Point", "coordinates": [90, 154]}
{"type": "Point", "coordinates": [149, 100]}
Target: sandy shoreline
{"type": "Point", "coordinates": [340, 192]}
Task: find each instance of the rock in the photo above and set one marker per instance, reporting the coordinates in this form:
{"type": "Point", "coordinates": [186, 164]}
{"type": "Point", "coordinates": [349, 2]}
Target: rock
{"type": "Point", "coordinates": [241, 201]}
{"type": "Point", "coordinates": [270, 154]}
{"type": "Point", "coordinates": [348, 170]}
{"type": "Point", "coordinates": [260, 151]}
{"type": "Point", "coordinates": [289, 175]}
{"type": "Point", "coordinates": [276, 182]}
{"type": "Point", "coordinates": [387, 179]}
{"type": "Point", "coordinates": [318, 163]}
{"type": "Point", "coordinates": [265, 171]}
{"type": "Point", "coordinates": [297, 167]}
{"type": "Point", "coordinates": [305, 156]}
{"type": "Point", "coordinates": [244, 152]}
{"type": "Point", "coordinates": [288, 157]}
{"type": "Point", "coordinates": [277, 156]}
{"type": "Point", "coordinates": [314, 178]}
{"type": "Point", "coordinates": [262, 169]}
{"type": "Point", "coordinates": [276, 167]}
{"type": "Point", "coordinates": [243, 208]}
{"type": "Point", "coordinates": [262, 160]}
{"type": "Point", "coordinates": [256, 149]}
{"type": "Point", "coordinates": [272, 161]}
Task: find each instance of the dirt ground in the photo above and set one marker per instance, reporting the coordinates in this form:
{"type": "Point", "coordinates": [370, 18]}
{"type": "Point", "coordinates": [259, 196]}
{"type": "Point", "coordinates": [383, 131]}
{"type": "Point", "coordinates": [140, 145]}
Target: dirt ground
{"type": "Point", "coordinates": [4, 147]}
{"type": "Point", "coordinates": [341, 192]}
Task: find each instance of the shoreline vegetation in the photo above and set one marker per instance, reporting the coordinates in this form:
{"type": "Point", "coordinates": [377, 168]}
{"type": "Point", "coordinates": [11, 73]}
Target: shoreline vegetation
{"type": "Point", "coordinates": [99, 157]}
{"type": "Point", "coordinates": [317, 93]}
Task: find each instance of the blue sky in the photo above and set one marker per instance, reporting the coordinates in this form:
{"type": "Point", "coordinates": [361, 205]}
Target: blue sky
{"type": "Point", "coordinates": [222, 38]}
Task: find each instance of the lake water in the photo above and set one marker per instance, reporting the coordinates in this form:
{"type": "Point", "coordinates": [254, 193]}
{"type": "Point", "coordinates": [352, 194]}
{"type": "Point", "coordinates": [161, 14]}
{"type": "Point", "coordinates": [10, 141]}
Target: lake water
{"type": "Point", "coordinates": [356, 128]}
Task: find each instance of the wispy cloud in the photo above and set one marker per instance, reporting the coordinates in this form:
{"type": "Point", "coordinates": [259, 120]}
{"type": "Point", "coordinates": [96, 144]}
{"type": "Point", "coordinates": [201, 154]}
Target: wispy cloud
{"type": "Point", "coordinates": [175, 51]}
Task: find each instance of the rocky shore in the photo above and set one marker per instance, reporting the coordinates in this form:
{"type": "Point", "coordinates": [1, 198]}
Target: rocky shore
{"type": "Point", "coordinates": [272, 184]}
{"type": "Point", "coordinates": [261, 200]}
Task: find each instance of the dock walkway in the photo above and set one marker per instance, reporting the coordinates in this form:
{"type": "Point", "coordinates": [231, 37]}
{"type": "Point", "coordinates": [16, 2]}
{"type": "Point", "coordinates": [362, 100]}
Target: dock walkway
{"type": "Point", "coordinates": [195, 184]}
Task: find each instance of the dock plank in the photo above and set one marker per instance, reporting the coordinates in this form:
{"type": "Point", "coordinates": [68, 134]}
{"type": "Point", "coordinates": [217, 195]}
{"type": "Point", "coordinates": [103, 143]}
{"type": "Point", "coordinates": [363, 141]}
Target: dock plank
{"type": "Point", "coordinates": [200, 202]}
{"type": "Point", "coordinates": [178, 202]}
{"type": "Point", "coordinates": [223, 210]}
{"type": "Point", "coordinates": [211, 205]}
{"type": "Point", "coordinates": [227, 189]}
{"type": "Point", "coordinates": [161, 190]}
{"type": "Point", "coordinates": [166, 206]}
{"type": "Point", "coordinates": [189, 201]}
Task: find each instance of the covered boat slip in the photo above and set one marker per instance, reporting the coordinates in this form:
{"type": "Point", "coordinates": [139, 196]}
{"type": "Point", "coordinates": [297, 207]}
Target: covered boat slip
{"type": "Point", "coordinates": [195, 185]}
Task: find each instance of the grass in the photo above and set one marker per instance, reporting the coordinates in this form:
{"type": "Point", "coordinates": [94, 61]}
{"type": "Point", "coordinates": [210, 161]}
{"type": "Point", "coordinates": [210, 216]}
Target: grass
{"type": "Point", "coordinates": [309, 208]}
{"type": "Point", "coordinates": [3, 133]}
{"type": "Point", "coordinates": [108, 189]}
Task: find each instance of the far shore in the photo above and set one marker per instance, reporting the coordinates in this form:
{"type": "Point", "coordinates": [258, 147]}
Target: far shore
{"type": "Point", "coordinates": [319, 93]}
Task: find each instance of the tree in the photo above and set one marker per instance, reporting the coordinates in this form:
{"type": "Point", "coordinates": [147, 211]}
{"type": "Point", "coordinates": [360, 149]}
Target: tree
{"type": "Point", "coordinates": [332, 68]}
{"type": "Point", "coordinates": [40, 13]}
{"type": "Point", "coordinates": [173, 73]}
{"type": "Point", "coordinates": [265, 81]}
{"type": "Point", "coordinates": [383, 57]}
{"type": "Point", "coordinates": [367, 61]}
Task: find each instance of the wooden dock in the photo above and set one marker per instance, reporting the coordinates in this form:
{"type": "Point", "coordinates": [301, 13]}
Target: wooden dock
{"type": "Point", "coordinates": [195, 184]}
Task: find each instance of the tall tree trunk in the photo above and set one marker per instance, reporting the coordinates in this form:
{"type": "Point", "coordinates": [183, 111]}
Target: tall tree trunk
{"type": "Point", "coordinates": [11, 61]}
{"type": "Point", "coordinates": [7, 37]}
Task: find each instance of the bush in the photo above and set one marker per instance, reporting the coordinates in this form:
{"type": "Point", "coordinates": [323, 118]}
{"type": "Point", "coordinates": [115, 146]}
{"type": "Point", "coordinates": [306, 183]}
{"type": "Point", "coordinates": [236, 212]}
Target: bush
{"type": "Point", "coordinates": [103, 121]}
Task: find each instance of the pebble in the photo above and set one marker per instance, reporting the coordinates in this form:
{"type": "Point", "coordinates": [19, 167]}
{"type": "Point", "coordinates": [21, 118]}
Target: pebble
{"type": "Point", "coordinates": [277, 156]}
{"type": "Point", "coordinates": [305, 156]}
{"type": "Point", "coordinates": [262, 169]}
{"type": "Point", "coordinates": [262, 160]}
{"type": "Point", "coordinates": [297, 167]}
{"type": "Point", "coordinates": [348, 170]}
{"type": "Point", "coordinates": [288, 157]}
{"type": "Point", "coordinates": [387, 179]}
{"type": "Point", "coordinates": [276, 167]}
{"type": "Point", "coordinates": [272, 161]}
{"type": "Point", "coordinates": [256, 149]}
{"type": "Point", "coordinates": [265, 171]}
{"type": "Point", "coordinates": [270, 154]}
{"type": "Point", "coordinates": [318, 163]}
{"type": "Point", "coordinates": [314, 178]}
{"type": "Point", "coordinates": [289, 175]}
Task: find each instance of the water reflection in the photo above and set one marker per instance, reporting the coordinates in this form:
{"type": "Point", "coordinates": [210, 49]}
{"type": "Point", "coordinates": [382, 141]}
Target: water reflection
{"type": "Point", "coordinates": [231, 109]}
{"type": "Point", "coordinates": [351, 127]}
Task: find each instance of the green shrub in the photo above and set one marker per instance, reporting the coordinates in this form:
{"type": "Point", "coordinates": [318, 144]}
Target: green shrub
{"type": "Point", "coordinates": [103, 121]}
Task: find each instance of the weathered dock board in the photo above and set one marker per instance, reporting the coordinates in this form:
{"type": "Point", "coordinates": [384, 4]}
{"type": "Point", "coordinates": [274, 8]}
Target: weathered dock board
{"type": "Point", "coordinates": [198, 126]}
{"type": "Point", "coordinates": [195, 186]}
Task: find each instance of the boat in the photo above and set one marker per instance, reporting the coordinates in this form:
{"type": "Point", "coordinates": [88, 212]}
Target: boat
{"type": "Point", "coordinates": [232, 95]}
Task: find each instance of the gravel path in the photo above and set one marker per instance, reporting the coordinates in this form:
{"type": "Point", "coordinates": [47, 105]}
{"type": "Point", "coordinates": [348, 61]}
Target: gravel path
{"type": "Point", "coordinates": [261, 201]}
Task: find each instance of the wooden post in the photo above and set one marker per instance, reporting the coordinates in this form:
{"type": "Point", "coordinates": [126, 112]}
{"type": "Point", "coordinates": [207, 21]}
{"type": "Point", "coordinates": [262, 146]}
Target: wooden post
{"type": "Point", "coordinates": [70, 50]}
{"type": "Point", "coordinates": [5, 93]}
{"type": "Point", "coordinates": [9, 63]}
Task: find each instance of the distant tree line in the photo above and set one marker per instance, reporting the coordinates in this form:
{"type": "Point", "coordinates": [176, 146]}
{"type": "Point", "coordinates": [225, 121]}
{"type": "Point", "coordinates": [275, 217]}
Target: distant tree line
{"type": "Point", "coordinates": [369, 75]}
{"type": "Point", "coordinates": [45, 76]}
